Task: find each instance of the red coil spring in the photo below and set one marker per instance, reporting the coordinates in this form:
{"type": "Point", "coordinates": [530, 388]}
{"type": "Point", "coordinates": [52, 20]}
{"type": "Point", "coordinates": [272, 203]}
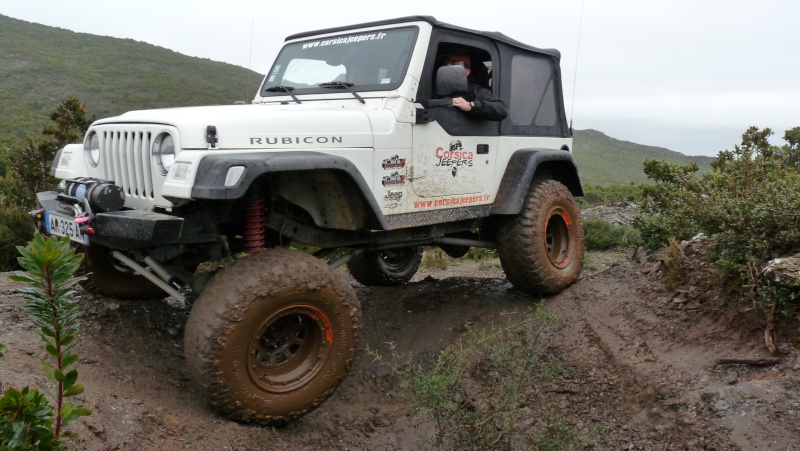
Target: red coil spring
{"type": "Point", "coordinates": [254, 227]}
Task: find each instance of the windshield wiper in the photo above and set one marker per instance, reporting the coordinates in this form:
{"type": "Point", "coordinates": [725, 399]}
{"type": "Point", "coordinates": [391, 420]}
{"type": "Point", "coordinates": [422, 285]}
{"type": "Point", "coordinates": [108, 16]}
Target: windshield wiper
{"type": "Point", "coordinates": [342, 85]}
{"type": "Point", "coordinates": [287, 89]}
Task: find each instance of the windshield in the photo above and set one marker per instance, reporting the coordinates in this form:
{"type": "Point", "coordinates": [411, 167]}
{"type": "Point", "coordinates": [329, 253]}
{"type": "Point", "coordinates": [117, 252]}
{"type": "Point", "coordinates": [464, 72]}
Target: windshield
{"type": "Point", "coordinates": [371, 61]}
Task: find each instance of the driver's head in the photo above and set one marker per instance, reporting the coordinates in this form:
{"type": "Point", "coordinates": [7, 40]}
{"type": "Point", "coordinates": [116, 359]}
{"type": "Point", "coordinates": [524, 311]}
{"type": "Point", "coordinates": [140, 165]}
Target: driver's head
{"type": "Point", "coordinates": [453, 59]}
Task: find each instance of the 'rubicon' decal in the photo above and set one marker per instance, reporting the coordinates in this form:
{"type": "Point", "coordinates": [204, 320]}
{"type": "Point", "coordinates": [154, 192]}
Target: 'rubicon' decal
{"type": "Point", "coordinates": [287, 140]}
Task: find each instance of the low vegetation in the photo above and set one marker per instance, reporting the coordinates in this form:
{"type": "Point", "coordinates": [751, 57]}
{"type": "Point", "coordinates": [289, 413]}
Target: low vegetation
{"type": "Point", "coordinates": [474, 392]}
{"type": "Point", "coordinates": [599, 235]}
{"type": "Point", "coordinates": [595, 195]}
{"type": "Point", "coordinates": [28, 419]}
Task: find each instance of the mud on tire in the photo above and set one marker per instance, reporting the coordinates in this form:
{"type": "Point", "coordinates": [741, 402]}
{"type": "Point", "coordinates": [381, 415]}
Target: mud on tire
{"type": "Point", "coordinates": [541, 250]}
{"type": "Point", "coordinates": [107, 277]}
{"type": "Point", "coordinates": [272, 336]}
{"type": "Point", "coordinates": [386, 268]}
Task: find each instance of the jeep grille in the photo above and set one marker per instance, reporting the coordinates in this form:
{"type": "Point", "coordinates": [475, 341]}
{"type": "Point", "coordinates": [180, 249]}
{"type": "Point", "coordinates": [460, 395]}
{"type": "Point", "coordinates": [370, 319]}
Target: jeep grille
{"type": "Point", "coordinates": [125, 159]}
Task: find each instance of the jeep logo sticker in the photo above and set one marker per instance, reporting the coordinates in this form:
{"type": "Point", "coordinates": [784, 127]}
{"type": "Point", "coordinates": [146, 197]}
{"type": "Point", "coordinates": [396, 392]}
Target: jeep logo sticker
{"type": "Point", "coordinates": [393, 195]}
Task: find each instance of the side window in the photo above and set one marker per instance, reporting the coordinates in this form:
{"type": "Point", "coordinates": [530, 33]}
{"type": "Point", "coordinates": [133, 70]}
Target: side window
{"type": "Point", "coordinates": [479, 62]}
{"type": "Point", "coordinates": [533, 100]}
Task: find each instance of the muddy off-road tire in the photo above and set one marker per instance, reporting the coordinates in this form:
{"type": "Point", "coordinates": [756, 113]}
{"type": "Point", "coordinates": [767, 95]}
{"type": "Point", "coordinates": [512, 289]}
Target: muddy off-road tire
{"type": "Point", "coordinates": [387, 268]}
{"type": "Point", "coordinates": [107, 277]}
{"type": "Point", "coordinates": [541, 250]}
{"type": "Point", "coordinates": [272, 336]}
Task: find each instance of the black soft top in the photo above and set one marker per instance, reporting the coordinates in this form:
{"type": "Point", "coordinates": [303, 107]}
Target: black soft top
{"type": "Point", "coordinates": [431, 20]}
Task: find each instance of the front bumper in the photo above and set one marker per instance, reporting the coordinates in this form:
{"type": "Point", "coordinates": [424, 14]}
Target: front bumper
{"type": "Point", "coordinates": [124, 229]}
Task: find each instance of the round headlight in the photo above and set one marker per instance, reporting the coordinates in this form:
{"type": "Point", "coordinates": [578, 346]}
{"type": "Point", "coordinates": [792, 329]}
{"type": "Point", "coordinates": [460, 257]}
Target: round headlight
{"type": "Point", "coordinates": [92, 148]}
{"type": "Point", "coordinates": [164, 153]}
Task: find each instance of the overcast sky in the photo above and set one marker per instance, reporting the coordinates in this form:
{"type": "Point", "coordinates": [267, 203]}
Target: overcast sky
{"type": "Point", "coordinates": [689, 75]}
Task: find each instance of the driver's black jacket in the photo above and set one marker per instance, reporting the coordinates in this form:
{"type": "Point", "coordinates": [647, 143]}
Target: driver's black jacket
{"type": "Point", "coordinates": [486, 106]}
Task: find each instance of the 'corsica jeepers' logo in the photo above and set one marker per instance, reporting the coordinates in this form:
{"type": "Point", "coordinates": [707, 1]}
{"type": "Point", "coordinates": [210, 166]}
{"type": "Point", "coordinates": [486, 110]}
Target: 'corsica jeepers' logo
{"type": "Point", "coordinates": [394, 179]}
{"type": "Point", "coordinates": [455, 156]}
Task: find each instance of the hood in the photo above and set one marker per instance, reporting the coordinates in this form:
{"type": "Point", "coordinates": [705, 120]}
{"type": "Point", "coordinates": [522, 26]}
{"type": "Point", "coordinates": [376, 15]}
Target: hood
{"type": "Point", "coordinates": [259, 126]}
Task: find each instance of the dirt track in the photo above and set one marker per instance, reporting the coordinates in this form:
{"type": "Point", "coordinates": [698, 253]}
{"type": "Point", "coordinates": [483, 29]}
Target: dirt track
{"type": "Point", "coordinates": [644, 368]}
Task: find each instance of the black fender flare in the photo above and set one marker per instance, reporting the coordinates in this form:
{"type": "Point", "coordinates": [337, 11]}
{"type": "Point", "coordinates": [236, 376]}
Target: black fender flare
{"type": "Point", "coordinates": [212, 170]}
{"type": "Point", "coordinates": [529, 165]}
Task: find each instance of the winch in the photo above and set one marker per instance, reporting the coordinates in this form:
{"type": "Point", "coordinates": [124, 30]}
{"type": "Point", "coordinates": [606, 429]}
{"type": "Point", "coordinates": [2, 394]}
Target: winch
{"type": "Point", "coordinates": [101, 195]}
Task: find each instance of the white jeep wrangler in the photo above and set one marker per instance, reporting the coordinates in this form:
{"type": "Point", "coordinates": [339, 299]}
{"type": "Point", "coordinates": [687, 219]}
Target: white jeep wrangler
{"type": "Point", "coordinates": [352, 146]}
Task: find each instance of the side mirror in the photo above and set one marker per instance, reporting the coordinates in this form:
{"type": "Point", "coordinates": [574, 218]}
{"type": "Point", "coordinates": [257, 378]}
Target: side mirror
{"type": "Point", "coordinates": [451, 81]}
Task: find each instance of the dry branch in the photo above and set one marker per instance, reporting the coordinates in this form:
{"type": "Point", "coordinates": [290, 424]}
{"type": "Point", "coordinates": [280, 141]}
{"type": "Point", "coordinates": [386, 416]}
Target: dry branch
{"type": "Point", "coordinates": [766, 361]}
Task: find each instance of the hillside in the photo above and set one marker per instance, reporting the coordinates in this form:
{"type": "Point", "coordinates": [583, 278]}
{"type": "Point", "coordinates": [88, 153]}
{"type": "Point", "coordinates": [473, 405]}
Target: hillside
{"type": "Point", "coordinates": [40, 66]}
{"type": "Point", "coordinates": [603, 160]}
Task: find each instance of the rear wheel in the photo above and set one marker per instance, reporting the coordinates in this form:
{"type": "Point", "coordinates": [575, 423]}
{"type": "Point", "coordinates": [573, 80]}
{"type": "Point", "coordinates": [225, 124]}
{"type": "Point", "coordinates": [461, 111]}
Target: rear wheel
{"type": "Point", "coordinates": [387, 268]}
{"type": "Point", "coordinates": [541, 250]}
{"type": "Point", "coordinates": [272, 336]}
{"type": "Point", "coordinates": [106, 276]}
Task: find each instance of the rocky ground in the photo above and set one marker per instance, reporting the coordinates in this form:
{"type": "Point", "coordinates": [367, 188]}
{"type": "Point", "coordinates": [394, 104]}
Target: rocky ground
{"type": "Point", "coordinates": [642, 365]}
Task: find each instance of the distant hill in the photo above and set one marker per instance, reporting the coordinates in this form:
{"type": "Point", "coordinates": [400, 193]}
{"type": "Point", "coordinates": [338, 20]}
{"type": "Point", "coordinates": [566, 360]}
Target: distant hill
{"type": "Point", "coordinates": [603, 160]}
{"type": "Point", "coordinates": [40, 66]}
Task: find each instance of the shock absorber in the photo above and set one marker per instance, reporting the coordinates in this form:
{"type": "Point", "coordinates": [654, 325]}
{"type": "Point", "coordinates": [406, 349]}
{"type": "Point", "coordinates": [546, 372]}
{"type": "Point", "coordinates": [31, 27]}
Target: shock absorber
{"type": "Point", "coordinates": [255, 219]}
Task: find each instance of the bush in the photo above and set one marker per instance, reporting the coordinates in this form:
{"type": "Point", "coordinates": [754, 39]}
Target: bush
{"type": "Point", "coordinates": [434, 258]}
{"type": "Point", "coordinates": [599, 235]}
{"type": "Point", "coordinates": [26, 170]}
{"type": "Point", "coordinates": [16, 229]}
{"type": "Point", "coordinates": [603, 195]}
{"type": "Point", "coordinates": [481, 254]}
{"type": "Point", "coordinates": [749, 204]}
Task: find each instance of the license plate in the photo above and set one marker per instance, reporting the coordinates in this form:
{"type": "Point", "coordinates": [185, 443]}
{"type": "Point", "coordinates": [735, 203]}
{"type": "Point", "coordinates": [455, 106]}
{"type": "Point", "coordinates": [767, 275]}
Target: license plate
{"type": "Point", "coordinates": [65, 226]}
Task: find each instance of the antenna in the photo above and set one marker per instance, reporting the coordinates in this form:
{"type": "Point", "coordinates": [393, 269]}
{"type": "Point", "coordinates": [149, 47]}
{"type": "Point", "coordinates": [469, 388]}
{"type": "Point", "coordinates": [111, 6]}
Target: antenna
{"type": "Point", "coordinates": [575, 76]}
{"type": "Point", "coordinates": [250, 61]}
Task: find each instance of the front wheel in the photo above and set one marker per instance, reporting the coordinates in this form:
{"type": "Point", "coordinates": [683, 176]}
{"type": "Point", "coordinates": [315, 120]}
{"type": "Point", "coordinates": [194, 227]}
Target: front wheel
{"type": "Point", "coordinates": [272, 336]}
{"type": "Point", "coordinates": [386, 268]}
{"type": "Point", "coordinates": [541, 250]}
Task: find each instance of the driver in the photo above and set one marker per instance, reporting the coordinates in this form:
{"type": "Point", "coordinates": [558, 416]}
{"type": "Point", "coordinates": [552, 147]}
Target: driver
{"type": "Point", "coordinates": [478, 101]}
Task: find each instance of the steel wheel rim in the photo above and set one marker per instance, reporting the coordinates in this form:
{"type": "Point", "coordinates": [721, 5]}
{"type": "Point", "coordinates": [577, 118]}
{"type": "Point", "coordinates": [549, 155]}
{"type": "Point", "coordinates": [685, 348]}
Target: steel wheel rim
{"type": "Point", "coordinates": [557, 239]}
{"type": "Point", "coordinates": [289, 348]}
{"type": "Point", "coordinates": [397, 259]}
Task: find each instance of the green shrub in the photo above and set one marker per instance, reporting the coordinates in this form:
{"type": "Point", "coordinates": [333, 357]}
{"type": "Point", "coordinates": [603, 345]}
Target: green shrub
{"type": "Point", "coordinates": [434, 259]}
{"type": "Point", "coordinates": [16, 229]}
{"type": "Point", "coordinates": [594, 195]}
{"type": "Point", "coordinates": [481, 253]}
{"type": "Point", "coordinates": [599, 235]}
{"type": "Point", "coordinates": [27, 419]}
{"type": "Point", "coordinates": [26, 168]}
{"type": "Point", "coordinates": [748, 204]}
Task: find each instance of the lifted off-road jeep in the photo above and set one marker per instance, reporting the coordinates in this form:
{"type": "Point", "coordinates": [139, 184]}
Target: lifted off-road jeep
{"type": "Point", "coordinates": [351, 147]}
